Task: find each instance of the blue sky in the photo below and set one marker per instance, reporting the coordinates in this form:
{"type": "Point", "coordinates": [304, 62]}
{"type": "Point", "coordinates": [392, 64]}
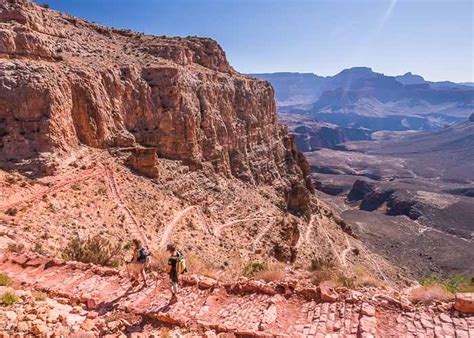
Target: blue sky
{"type": "Point", "coordinates": [432, 38]}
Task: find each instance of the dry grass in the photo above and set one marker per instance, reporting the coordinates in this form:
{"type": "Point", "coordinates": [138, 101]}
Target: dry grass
{"type": "Point", "coordinates": [199, 267]}
{"type": "Point", "coordinates": [38, 295]}
{"type": "Point", "coordinates": [273, 273]}
{"type": "Point", "coordinates": [5, 280]}
{"type": "Point", "coordinates": [429, 293]}
{"type": "Point", "coordinates": [351, 279]}
{"type": "Point", "coordinates": [324, 275]}
{"type": "Point", "coordinates": [165, 333]}
{"type": "Point", "coordinates": [363, 277]}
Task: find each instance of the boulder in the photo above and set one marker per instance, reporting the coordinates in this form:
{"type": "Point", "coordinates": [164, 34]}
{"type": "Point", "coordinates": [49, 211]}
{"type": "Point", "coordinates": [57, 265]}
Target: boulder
{"type": "Point", "coordinates": [206, 283]}
{"type": "Point", "coordinates": [328, 294]}
{"type": "Point", "coordinates": [464, 302]}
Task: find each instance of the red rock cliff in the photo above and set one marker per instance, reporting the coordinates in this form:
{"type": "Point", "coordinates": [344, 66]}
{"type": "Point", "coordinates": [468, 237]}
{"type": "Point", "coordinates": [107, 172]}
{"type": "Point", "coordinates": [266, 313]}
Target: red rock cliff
{"type": "Point", "coordinates": [66, 82]}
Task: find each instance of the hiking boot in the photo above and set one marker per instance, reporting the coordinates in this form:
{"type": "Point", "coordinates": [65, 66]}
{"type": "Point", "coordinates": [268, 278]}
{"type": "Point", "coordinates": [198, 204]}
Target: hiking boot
{"type": "Point", "coordinates": [173, 299]}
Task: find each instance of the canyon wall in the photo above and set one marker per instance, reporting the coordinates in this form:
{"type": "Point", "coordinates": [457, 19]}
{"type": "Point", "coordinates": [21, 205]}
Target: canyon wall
{"type": "Point", "coordinates": [65, 82]}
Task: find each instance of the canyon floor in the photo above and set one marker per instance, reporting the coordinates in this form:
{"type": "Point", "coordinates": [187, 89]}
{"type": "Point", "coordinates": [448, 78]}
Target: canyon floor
{"type": "Point", "coordinates": [407, 196]}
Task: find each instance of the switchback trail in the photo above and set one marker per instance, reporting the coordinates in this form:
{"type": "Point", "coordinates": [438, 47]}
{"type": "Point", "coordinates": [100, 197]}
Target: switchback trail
{"type": "Point", "coordinates": [134, 225]}
{"type": "Point", "coordinates": [251, 309]}
{"type": "Point", "coordinates": [170, 226]}
{"type": "Point", "coordinates": [218, 229]}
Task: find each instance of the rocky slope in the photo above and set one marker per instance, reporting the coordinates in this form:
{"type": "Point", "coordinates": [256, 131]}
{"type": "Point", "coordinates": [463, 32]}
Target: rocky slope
{"type": "Point", "coordinates": [65, 82]}
{"type": "Point", "coordinates": [87, 300]}
{"type": "Point", "coordinates": [123, 135]}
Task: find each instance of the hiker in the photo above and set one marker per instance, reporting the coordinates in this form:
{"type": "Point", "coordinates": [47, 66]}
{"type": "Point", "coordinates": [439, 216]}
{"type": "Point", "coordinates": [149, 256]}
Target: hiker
{"type": "Point", "coordinates": [137, 264]}
{"type": "Point", "coordinates": [176, 265]}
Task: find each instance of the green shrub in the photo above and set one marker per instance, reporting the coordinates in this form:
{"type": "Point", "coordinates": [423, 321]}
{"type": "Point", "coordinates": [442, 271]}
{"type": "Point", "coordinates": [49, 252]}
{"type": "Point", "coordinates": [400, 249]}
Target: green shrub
{"type": "Point", "coordinates": [8, 298]}
{"type": "Point", "coordinates": [452, 283]}
{"type": "Point", "coordinates": [4, 279]}
{"type": "Point", "coordinates": [96, 250]}
{"type": "Point", "coordinates": [254, 267]}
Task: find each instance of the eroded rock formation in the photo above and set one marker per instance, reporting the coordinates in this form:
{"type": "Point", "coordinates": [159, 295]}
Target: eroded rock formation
{"type": "Point", "coordinates": [66, 82]}
{"type": "Point", "coordinates": [144, 161]}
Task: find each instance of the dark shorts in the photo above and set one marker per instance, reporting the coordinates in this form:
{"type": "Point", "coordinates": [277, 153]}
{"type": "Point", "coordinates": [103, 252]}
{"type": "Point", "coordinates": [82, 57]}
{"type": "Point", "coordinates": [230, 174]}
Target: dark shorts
{"type": "Point", "coordinates": [174, 277]}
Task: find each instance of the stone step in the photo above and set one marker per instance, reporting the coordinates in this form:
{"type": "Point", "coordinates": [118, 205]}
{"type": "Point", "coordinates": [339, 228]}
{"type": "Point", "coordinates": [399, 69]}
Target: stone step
{"type": "Point", "coordinates": [250, 308]}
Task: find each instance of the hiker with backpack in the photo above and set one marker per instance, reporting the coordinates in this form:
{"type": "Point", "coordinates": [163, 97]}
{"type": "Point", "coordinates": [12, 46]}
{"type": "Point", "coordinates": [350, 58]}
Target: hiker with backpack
{"type": "Point", "coordinates": [176, 266]}
{"type": "Point", "coordinates": [141, 257]}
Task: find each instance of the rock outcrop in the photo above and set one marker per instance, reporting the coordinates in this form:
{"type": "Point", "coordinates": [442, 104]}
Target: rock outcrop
{"type": "Point", "coordinates": [66, 82]}
{"type": "Point", "coordinates": [464, 302]}
{"type": "Point", "coordinates": [144, 161]}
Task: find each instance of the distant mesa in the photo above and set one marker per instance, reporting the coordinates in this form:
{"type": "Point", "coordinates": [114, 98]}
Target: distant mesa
{"type": "Point", "coordinates": [360, 97]}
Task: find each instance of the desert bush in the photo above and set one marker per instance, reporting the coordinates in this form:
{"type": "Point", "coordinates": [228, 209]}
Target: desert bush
{"type": "Point", "coordinates": [8, 298]}
{"type": "Point", "coordinates": [16, 248]}
{"type": "Point", "coordinates": [319, 263]}
{"type": "Point", "coordinates": [252, 268]}
{"type": "Point", "coordinates": [324, 275]}
{"type": "Point", "coordinates": [430, 293]}
{"type": "Point", "coordinates": [363, 277]}
{"type": "Point", "coordinates": [38, 295]}
{"type": "Point", "coordinates": [452, 283]}
{"type": "Point", "coordinates": [200, 267]}
{"type": "Point", "coordinates": [96, 250]}
{"type": "Point", "coordinates": [5, 280]}
{"type": "Point", "coordinates": [273, 273]}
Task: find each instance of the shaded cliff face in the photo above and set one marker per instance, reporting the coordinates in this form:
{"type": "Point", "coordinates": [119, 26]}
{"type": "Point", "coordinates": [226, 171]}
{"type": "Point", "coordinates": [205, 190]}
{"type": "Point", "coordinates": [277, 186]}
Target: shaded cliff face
{"type": "Point", "coordinates": [66, 82]}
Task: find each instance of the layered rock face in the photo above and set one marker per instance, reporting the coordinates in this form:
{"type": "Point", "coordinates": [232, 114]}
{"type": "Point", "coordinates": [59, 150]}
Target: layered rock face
{"type": "Point", "coordinates": [66, 82]}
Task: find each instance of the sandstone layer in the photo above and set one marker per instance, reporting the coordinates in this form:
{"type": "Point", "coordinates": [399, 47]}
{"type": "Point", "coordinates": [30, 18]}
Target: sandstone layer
{"type": "Point", "coordinates": [65, 82]}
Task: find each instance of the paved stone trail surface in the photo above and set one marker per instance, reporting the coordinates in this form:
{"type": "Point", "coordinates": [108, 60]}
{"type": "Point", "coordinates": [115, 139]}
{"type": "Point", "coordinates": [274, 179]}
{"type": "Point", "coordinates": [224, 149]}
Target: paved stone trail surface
{"type": "Point", "coordinates": [245, 308]}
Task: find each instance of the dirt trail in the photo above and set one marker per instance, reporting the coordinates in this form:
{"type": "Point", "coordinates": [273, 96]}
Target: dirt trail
{"type": "Point", "coordinates": [331, 243]}
{"type": "Point", "coordinates": [261, 235]}
{"type": "Point", "coordinates": [170, 226]}
{"type": "Point", "coordinates": [218, 229]}
{"type": "Point", "coordinates": [132, 222]}
{"type": "Point", "coordinates": [250, 313]}
{"type": "Point", "coordinates": [82, 176]}
{"type": "Point", "coordinates": [345, 251]}
{"type": "Point", "coordinates": [305, 239]}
